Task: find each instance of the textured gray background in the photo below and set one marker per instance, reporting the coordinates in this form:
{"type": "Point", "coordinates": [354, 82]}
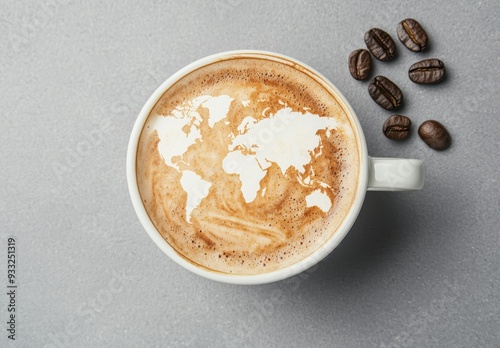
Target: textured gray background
{"type": "Point", "coordinates": [417, 270]}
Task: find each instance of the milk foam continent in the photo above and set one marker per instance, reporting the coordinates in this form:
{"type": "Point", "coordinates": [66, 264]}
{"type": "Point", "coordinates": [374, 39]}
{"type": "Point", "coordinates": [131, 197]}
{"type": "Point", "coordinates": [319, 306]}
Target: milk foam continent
{"type": "Point", "coordinates": [247, 165]}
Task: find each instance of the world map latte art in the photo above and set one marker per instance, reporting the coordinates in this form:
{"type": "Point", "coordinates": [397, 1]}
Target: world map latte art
{"type": "Point", "coordinates": [258, 144]}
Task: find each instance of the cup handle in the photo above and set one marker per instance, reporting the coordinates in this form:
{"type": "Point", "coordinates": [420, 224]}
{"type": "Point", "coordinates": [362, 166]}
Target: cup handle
{"type": "Point", "coordinates": [395, 174]}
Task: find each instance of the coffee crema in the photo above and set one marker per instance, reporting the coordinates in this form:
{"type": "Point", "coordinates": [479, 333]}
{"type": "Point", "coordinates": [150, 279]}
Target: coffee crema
{"type": "Point", "coordinates": [248, 165]}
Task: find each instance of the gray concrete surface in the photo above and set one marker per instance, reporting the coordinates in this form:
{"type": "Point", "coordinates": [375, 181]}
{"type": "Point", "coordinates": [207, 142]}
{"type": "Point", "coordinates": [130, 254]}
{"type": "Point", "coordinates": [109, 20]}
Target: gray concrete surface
{"type": "Point", "coordinates": [417, 270]}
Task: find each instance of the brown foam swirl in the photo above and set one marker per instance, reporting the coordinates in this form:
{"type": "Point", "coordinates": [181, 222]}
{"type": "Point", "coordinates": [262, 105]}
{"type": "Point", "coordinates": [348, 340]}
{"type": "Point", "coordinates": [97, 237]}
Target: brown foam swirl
{"type": "Point", "coordinates": [277, 228]}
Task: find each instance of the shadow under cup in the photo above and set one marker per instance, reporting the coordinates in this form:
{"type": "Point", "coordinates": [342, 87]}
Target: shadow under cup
{"type": "Point", "coordinates": [247, 167]}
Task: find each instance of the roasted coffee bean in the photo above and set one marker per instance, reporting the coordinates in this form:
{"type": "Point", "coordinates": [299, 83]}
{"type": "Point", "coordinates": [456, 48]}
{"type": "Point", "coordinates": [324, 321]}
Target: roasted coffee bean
{"type": "Point", "coordinates": [397, 127]}
{"type": "Point", "coordinates": [427, 71]}
{"type": "Point", "coordinates": [360, 64]}
{"type": "Point", "coordinates": [380, 44]}
{"type": "Point", "coordinates": [434, 135]}
{"type": "Point", "coordinates": [412, 35]}
{"type": "Point", "coordinates": [385, 93]}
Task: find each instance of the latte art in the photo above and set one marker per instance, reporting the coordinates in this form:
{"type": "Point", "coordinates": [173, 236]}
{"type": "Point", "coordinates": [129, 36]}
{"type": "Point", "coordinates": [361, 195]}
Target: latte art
{"type": "Point", "coordinates": [247, 165]}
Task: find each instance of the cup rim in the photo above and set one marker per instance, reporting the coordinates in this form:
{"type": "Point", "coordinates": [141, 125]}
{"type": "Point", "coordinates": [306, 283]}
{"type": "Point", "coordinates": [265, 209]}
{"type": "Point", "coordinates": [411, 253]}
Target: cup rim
{"type": "Point", "coordinates": [262, 278]}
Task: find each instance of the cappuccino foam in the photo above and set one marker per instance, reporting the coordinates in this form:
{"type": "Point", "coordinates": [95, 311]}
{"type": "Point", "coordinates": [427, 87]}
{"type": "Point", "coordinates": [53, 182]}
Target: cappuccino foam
{"type": "Point", "coordinates": [247, 165]}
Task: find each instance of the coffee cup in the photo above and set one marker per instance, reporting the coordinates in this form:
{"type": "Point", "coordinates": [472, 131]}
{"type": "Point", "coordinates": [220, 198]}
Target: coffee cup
{"type": "Point", "coordinates": [249, 167]}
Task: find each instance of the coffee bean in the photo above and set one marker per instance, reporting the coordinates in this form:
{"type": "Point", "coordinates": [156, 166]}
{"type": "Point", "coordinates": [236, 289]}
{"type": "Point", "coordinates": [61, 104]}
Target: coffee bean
{"type": "Point", "coordinates": [427, 71]}
{"type": "Point", "coordinates": [412, 35]}
{"type": "Point", "coordinates": [360, 64]}
{"type": "Point", "coordinates": [385, 93]}
{"type": "Point", "coordinates": [434, 135]}
{"type": "Point", "coordinates": [397, 127]}
{"type": "Point", "coordinates": [380, 44]}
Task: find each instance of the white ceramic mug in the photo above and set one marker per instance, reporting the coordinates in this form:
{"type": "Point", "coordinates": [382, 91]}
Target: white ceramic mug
{"type": "Point", "coordinates": [376, 174]}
